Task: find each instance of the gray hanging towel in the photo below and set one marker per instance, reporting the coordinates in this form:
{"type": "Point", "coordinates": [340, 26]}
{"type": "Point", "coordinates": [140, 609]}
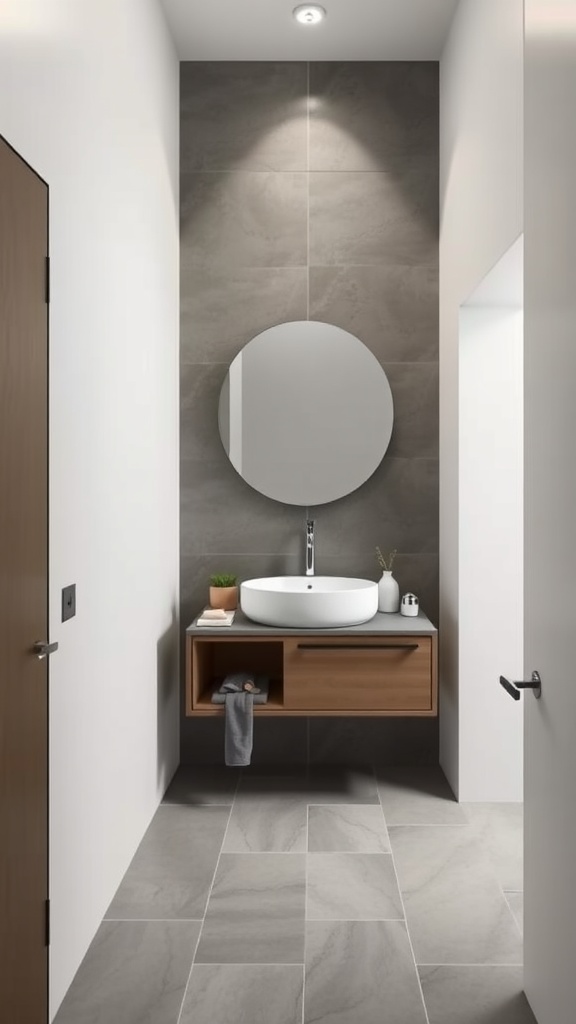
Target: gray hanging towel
{"type": "Point", "coordinates": [239, 713]}
{"type": "Point", "coordinates": [239, 729]}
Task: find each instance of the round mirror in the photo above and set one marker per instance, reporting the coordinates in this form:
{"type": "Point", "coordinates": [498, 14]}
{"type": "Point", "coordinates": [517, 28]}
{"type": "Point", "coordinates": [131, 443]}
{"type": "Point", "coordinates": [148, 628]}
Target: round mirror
{"type": "Point", "coordinates": [305, 413]}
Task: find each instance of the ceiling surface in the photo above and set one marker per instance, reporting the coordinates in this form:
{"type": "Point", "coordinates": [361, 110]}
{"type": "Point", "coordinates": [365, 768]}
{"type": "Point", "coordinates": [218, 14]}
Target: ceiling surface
{"type": "Point", "coordinates": [352, 30]}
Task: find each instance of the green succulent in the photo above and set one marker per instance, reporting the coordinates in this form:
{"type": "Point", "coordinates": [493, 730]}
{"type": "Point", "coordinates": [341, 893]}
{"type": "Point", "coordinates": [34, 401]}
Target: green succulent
{"type": "Point", "coordinates": [223, 579]}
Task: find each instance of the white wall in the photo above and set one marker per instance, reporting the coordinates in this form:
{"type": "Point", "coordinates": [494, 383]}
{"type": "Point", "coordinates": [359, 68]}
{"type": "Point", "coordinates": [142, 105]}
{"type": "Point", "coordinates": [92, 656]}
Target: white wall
{"type": "Point", "coordinates": [491, 587]}
{"type": "Point", "coordinates": [89, 96]}
{"type": "Point", "coordinates": [550, 497]}
{"type": "Point", "coordinates": [481, 216]}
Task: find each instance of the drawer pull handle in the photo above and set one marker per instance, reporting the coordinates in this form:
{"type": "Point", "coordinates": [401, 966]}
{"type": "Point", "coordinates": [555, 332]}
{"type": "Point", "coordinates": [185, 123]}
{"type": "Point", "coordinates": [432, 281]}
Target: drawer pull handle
{"type": "Point", "coordinates": [358, 647]}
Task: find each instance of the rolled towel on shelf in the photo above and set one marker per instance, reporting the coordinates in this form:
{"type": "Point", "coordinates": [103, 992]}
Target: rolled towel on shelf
{"type": "Point", "coordinates": [260, 694]}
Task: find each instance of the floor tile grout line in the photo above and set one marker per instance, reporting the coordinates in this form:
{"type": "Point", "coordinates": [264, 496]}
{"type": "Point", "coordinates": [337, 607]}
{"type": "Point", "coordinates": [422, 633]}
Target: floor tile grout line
{"type": "Point", "coordinates": [247, 963]}
{"type": "Point", "coordinates": [514, 918]}
{"type": "Point", "coordinates": [342, 803]}
{"type": "Point", "coordinates": [179, 1018]}
{"type": "Point", "coordinates": [480, 966]}
{"type": "Point", "coordinates": [406, 926]}
{"type": "Point", "coordinates": [258, 853]}
{"type": "Point", "coordinates": [355, 921]}
{"type": "Point", "coordinates": [350, 853]}
{"type": "Point", "coordinates": [428, 824]}
{"type": "Point", "coordinates": [152, 920]}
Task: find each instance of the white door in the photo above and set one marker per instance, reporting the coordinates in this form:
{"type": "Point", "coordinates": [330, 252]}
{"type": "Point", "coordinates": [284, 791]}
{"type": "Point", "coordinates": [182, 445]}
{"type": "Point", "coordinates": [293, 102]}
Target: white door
{"type": "Point", "coordinates": [550, 508]}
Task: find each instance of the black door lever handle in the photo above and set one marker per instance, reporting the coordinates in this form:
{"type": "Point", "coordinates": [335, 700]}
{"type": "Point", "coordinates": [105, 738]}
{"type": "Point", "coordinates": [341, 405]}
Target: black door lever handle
{"type": "Point", "coordinates": [514, 688]}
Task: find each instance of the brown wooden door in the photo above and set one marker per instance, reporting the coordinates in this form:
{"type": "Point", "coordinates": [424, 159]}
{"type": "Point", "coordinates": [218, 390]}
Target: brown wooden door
{"type": "Point", "coordinates": [23, 591]}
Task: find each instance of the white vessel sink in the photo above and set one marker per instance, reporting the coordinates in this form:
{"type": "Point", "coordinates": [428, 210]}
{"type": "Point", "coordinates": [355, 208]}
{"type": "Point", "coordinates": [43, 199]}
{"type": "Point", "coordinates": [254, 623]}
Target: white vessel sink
{"type": "Point", "coordinates": [309, 602]}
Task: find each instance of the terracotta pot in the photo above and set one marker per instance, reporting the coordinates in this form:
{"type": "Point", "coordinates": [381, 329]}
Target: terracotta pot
{"type": "Point", "coordinates": [224, 597]}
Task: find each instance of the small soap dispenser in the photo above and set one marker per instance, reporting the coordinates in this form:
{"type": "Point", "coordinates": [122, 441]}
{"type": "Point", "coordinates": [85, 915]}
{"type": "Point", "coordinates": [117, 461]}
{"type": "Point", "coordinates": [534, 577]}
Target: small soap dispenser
{"type": "Point", "coordinates": [409, 605]}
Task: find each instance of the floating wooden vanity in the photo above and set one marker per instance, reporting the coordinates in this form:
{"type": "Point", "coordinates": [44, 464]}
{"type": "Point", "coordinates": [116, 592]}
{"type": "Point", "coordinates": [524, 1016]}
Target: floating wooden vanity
{"type": "Point", "coordinates": [387, 666]}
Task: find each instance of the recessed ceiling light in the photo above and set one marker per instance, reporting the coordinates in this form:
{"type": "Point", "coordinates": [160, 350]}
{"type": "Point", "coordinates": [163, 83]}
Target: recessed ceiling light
{"type": "Point", "coordinates": [309, 14]}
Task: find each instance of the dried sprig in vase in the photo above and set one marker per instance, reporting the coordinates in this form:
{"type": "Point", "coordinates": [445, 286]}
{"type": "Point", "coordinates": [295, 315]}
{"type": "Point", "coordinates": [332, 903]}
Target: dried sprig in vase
{"type": "Point", "coordinates": [388, 589]}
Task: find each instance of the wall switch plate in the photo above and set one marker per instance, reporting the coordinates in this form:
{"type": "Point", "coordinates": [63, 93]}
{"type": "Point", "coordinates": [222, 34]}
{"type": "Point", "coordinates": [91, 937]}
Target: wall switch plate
{"type": "Point", "coordinates": [68, 602]}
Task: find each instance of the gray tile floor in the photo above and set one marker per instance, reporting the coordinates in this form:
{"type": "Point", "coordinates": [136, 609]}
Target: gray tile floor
{"type": "Point", "coordinates": [334, 897]}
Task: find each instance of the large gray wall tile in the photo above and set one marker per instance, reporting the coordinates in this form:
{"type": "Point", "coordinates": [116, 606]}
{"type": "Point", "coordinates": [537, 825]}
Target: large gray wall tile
{"type": "Point", "coordinates": [416, 408]}
{"type": "Point", "coordinates": [397, 508]}
{"type": "Point", "coordinates": [200, 385]}
{"type": "Point", "coordinates": [381, 219]}
{"type": "Point", "coordinates": [231, 993]}
{"type": "Point", "coordinates": [280, 741]}
{"type": "Point", "coordinates": [392, 309]}
{"type": "Point", "coordinates": [222, 308]}
{"type": "Point", "coordinates": [243, 114]}
{"type": "Point", "coordinates": [419, 574]}
{"type": "Point", "coordinates": [171, 872]}
{"type": "Point", "coordinates": [197, 569]}
{"type": "Point", "coordinates": [369, 265]}
{"type": "Point", "coordinates": [220, 512]}
{"type": "Point", "coordinates": [202, 741]}
{"type": "Point", "coordinates": [393, 741]}
{"type": "Point", "coordinates": [373, 115]}
{"type": "Point", "coordinates": [134, 972]}
{"type": "Point", "coordinates": [360, 971]}
{"type": "Point", "coordinates": [277, 741]}
{"type": "Point", "coordinates": [246, 218]}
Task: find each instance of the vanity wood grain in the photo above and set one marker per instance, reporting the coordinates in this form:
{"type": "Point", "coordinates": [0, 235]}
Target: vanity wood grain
{"type": "Point", "coordinates": [349, 672]}
{"type": "Point", "coordinates": [392, 674]}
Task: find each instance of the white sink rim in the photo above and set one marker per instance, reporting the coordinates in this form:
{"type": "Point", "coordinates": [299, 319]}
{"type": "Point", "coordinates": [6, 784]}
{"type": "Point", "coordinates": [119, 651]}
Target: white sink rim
{"type": "Point", "coordinates": [309, 602]}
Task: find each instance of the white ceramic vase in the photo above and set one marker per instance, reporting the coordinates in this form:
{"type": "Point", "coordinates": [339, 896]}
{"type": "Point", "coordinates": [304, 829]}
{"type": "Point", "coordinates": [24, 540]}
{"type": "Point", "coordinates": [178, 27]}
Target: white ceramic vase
{"type": "Point", "coordinates": [388, 593]}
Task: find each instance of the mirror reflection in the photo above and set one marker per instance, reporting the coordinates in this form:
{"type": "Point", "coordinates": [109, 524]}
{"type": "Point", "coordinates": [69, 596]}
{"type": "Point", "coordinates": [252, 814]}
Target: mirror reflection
{"type": "Point", "coordinates": [305, 413]}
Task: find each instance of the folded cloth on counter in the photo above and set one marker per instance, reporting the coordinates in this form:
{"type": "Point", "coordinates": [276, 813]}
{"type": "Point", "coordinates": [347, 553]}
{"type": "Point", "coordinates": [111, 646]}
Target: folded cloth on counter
{"type": "Point", "coordinates": [209, 617]}
{"type": "Point", "coordinates": [239, 712]}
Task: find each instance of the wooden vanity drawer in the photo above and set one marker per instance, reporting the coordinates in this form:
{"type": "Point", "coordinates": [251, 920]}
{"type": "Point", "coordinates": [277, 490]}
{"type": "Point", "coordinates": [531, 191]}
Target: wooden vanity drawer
{"type": "Point", "coordinates": [394, 674]}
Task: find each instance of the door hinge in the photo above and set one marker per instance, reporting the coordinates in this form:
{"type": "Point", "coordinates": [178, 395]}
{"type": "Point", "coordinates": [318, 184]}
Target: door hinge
{"type": "Point", "coordinates": [47, 279]}
{"type": "Point", "coordinates": [47, 923]}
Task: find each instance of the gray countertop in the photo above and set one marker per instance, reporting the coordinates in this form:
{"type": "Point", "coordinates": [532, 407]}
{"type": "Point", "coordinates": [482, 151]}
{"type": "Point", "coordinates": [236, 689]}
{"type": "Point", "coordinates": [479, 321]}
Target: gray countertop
{"type": "Point", "coordinates": [381, 624]}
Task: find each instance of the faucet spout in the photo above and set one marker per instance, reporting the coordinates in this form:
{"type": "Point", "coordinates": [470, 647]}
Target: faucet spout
{"type": "Point", "coordinates": [309, 547]}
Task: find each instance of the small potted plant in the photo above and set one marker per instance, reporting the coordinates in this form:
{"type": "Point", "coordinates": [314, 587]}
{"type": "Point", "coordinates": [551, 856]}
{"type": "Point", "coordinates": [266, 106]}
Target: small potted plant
{"type": "Point", "coordinates": [224, 591]}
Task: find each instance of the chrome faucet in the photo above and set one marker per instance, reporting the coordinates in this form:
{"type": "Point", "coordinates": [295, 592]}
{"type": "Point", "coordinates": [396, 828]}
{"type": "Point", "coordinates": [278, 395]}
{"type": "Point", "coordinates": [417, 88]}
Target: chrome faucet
{"type": "Point", "coordinates": [309, 547]}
